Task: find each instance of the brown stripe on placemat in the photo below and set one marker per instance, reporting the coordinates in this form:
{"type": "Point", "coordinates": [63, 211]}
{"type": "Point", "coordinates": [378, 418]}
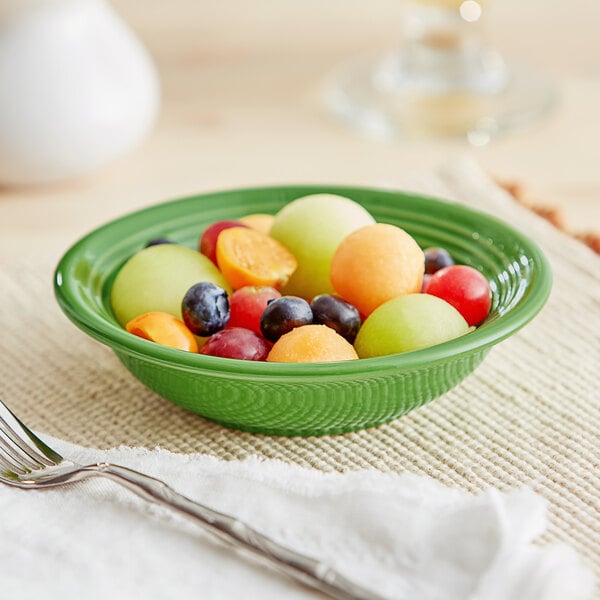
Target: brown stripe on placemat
{"type": "Point", "coordinates": [552, 214]}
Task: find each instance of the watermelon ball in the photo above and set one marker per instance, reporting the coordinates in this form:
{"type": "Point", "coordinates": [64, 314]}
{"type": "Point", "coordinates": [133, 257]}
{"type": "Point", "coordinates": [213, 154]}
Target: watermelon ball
{"type": "Point", "coordinates": [248, 304]}
{"type": "Point", "coordinates": [465, 288]}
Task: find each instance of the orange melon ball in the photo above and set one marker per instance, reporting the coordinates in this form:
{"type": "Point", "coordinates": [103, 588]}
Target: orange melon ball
{"type": "Point", "coordinates": [375, 264]}
{"type": "Point", "coordinates": [311, 343]}
{"type": "Point", "coordinates": [259, 221]}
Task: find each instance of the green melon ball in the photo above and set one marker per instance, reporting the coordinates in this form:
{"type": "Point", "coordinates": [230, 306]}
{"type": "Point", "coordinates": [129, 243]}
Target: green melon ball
{"type": "Point", "coordinates": [157, 278]}
{"type": "Point", "coordinates": [409, 322]}
{"type": "Point", "coordinates": [312, 227]}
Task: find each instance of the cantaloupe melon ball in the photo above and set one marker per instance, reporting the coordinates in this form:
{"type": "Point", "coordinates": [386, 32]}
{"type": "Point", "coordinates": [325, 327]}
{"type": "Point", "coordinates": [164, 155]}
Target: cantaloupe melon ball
{"type": "Point", "coordinates": [311, 343]}
{"type": "Point", "coordinates": [375, 264]}
{"type": "Point", "coordinates": [259, 221]}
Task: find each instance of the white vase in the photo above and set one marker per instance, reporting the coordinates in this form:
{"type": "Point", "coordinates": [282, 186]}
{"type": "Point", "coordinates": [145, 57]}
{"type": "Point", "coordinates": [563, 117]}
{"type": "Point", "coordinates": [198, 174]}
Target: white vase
{"type": "Point", "coordinates": [77, 89]}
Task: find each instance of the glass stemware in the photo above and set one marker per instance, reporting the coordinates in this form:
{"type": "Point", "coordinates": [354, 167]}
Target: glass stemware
{"type": "Point", "coordinates": [443, 80]}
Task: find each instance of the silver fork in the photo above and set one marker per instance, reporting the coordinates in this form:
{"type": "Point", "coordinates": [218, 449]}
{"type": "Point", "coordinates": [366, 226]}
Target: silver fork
{"type": "Point", "coordinates": [27, 462]}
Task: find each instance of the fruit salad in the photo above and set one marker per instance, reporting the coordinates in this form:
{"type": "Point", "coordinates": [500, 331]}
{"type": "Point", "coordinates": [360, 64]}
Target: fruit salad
{"type": "Point", "coordinates": [319, 281]}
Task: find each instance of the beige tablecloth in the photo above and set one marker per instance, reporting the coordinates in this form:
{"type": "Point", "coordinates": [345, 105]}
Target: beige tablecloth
{"type": "Point", "coordinates": [529, 414]}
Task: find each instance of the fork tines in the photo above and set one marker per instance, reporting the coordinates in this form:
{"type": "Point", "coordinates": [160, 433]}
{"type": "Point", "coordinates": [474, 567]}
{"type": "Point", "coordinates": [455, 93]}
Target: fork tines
{"type": "Point", "coordinates": [18, 452]}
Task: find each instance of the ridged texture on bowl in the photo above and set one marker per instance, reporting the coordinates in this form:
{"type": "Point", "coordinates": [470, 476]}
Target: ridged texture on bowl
{"type": "Point", "coordinates": [284, 407]}
{"type": "Point", "coordinates": [302, 399]}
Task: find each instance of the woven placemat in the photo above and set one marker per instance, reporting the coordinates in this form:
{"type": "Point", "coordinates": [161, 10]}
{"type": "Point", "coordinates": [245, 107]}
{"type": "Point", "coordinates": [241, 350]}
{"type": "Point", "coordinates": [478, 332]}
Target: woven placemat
{"type": "Point", "coordinates": [530, 414]}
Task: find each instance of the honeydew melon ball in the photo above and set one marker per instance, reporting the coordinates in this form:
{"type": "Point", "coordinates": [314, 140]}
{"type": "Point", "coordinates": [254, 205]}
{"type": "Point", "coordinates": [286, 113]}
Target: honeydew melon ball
{"type": "Point", "coordinates": [409, 322]}
{"type": "Point", "coordinates": [312, 227]}
{"type": "Point", "coordinates": [157, 278]}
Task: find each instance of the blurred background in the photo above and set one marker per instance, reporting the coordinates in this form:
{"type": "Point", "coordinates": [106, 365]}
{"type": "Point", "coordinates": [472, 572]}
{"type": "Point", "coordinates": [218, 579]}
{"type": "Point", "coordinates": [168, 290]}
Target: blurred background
{"type": "Point", "coordinates": [241, 103]}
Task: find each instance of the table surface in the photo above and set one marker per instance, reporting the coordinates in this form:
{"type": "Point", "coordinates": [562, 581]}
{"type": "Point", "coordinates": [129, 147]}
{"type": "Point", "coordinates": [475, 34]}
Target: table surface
{"type": "Point", "coordinates": [241, 93]}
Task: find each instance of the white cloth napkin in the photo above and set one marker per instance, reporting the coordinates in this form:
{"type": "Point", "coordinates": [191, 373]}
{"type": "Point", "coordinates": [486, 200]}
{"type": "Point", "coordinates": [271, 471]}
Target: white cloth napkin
{"type": "Point", "coordinates": [405, 536]}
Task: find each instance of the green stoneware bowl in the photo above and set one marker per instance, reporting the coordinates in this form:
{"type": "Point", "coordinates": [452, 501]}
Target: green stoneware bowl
{"type": "Point", "coordinates": [305, 399]}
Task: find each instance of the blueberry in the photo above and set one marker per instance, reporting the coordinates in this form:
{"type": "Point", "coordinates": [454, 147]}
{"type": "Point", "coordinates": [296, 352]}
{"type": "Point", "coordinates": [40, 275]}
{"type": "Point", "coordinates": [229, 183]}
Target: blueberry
{"type": "Point", "coordinates": [284, 314]}
{"type": "Point", "coordinates": [336, 313]}
{"type": "Point", "coordinates": [157, 241]}
{"type": "Point", "coordinates": [205, 308]}
{"type": "Point", "coordinates": [436, 259]}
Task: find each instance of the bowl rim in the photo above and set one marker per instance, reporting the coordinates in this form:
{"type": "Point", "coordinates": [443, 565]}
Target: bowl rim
{"type": "Point", "coordinates": [113, 335]}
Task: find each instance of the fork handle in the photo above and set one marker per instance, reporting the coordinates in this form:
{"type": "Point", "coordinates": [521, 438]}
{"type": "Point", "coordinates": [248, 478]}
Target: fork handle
{"type": "Point", "coordinates": [303, 568]}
